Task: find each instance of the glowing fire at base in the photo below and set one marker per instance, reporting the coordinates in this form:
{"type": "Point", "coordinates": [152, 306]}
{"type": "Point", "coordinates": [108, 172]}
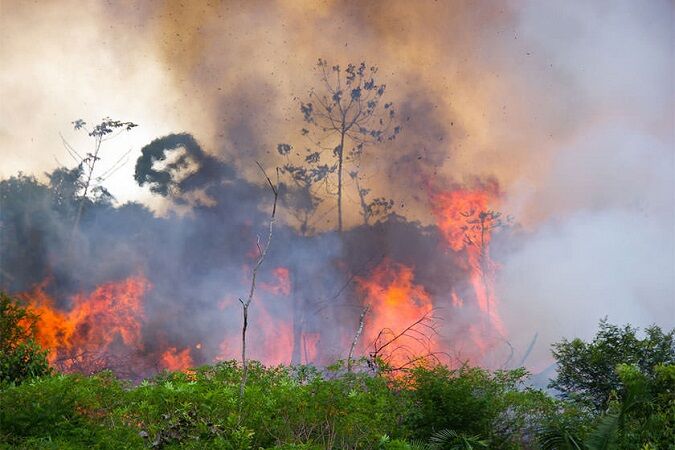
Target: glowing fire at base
{"type": "Point", "coordinates": [98, 326]}
{"type": "Point", "coordinates": [174, 359]}
{"type": "Point", "coordinates": [103, 329]}
{"type": "Point", "coordinates": [396, 305]}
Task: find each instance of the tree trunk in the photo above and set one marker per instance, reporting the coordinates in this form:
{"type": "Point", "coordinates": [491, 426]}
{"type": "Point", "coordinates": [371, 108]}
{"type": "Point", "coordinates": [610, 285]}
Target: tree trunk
{"type": "Point", "coordinates": [244, 362]}
{"type": "Point", "coordinates": [340, 154]}
{"type": "Point", "coordinates": [359, 330]}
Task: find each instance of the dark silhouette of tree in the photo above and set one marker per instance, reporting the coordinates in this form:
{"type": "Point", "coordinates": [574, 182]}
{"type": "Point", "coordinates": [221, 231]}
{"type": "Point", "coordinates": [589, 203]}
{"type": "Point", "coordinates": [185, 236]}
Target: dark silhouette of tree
{"type": "Point", "coordinates": [371, 209]}
{"type": "Point", "coordinates": [343, 116]}
{"type": "Point", "coordinates": [90, 182]}
{"type": "Point", "coordinates": [479, 225]}
{"type": "Point", "coordinates": [175, 165]}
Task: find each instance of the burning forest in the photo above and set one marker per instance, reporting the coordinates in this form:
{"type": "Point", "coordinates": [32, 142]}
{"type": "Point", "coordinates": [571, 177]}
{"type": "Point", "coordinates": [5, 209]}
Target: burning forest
{"type": "Point", "coordinates": [153, 307]}
{"type": "Point", "coordinates": [390, 189]}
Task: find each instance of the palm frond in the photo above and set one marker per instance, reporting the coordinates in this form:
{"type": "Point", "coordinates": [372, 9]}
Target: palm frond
{"type": "Point", "coordinates": [450, 439]}
{"type": "Point", "coordinates": [605, 435]}
{"type": "Point", "coordinates": [553, 438]}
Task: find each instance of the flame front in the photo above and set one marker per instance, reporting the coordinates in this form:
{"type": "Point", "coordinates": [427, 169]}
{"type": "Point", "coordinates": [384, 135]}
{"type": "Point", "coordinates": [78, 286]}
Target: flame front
{"type": "Point", "coordinates": [173, 359]}
{"type": "Point", "coordinates": [397, 327]}
{"type": "Point", "coordinates": [466, 222]}
{"type": "Point", "coordinates": [104, 323]}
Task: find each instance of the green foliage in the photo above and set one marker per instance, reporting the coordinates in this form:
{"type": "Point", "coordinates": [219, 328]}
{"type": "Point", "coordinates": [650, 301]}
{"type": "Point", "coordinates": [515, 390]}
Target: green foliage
{"type": "Point", "coordinates": [283, 407]}
{"type": "Point", "coordinates": [308, 408]}
{"type": "Point", "coordinates": [21, 358]}
{"type": "Point", "coordinates": [641, 414]}
{"type": "Point", "coordinates": [620, 391]}
{"type": "Point", "coordinates": [552, 438]}
{"type": "Point", "coordinates": [65, 412]}
{"type": "Point", "coordinates": [586, 371]}
{"type": "Point", "coordinates": [452, 440]}
{"type": "Point", "coordinates": [473, 402]}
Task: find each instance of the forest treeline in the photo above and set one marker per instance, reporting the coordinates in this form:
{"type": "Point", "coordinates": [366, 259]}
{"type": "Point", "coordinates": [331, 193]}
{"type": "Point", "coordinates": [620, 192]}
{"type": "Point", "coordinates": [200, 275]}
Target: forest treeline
{"type": "Point", "coordinates": [614, 392]}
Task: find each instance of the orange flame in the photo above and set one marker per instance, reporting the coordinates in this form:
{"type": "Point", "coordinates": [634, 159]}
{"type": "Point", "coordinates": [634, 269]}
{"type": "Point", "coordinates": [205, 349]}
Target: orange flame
{"type": "Point", "coordinates": [396, 303]}
{"type": "Point", "coordinates": [82, 338]}
{"type": "Point", "coordinates": [175, 360]}
{"type": "Point", "coordinates": [466, 222]}
{"type": "Point", "coordinates": [269, 337]}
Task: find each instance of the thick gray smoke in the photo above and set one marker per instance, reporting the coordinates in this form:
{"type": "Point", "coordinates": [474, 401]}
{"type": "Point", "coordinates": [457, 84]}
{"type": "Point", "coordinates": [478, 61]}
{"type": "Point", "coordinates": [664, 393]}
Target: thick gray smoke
{"type": "Point", "coordinates": [198, 264]}
{"type": "Point", "coordinates": [604, 204]}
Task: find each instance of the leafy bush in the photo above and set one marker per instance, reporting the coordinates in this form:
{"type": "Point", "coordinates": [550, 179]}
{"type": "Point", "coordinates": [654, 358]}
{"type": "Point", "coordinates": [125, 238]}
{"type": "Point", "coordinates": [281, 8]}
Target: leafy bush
{"type": "Point", "coordinates": [60, 409]}
{"type": "Point", "coordinates": [473, 403]}
{"type": "Point", "coordinates": [307, 408]}
{"type": "Point", "coordinates": [587, 371]}
{"type": "Point", "coordinates": [21, 358]}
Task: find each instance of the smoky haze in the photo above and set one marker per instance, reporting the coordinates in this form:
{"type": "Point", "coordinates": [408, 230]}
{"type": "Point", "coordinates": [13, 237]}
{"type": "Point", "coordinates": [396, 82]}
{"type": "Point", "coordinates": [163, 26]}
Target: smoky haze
{"type": "Point", "coordinates": [567, 106]}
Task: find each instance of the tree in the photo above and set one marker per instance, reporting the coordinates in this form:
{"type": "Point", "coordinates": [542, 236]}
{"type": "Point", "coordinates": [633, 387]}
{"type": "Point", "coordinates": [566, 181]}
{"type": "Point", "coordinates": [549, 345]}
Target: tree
{"type": "Point", "coordinates": [587, 371]}
{"type": "Point", "coordinates": [479, 225]}
{"type": "Point", "coordinates": [343, 117]}
{"type": "Point", "coordinates": [104, 131]}
{"type": "Point", "coordinates": [35, 220]}
{"type": "Point", "coordinates": [377, 207]}
{"type": "Point", "coordinates": [640, 415]}
{"type": "Point", "coordinates": [245, 303]}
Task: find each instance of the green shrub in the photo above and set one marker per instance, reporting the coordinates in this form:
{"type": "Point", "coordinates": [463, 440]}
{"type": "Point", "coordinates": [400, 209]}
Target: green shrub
{"type": "Point", "coordinates": [306, 408]}
{"type": "Point", "coordinates": [73, 408]}
{"type": "Point", "coordinates": [21, 358]}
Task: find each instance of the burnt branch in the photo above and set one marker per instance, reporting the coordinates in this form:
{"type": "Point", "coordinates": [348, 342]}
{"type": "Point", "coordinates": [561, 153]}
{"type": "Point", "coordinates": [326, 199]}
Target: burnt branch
{"type": "Point", "coordinates": [262, 253]}
{"type": "Point", "coordinates": [359, 330]}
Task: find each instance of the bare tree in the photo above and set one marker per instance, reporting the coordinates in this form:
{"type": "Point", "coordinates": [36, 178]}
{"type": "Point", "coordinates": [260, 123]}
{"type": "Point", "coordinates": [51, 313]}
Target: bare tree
{"type": "Point", "coordinates": [359, 330]}
{"type": "Point", "coordinates": [477, 230]}
{"type": "Point", "coordinates": [262, 253]}
{"type": "Point", "coordinates": [343, 116]}
{"type": "Point", "coordinates": [88, 162]}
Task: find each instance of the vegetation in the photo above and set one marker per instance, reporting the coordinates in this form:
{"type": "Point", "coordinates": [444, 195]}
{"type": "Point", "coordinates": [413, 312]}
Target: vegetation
{"type": "Point", "coordinates": [21, 358]}
{"type": "Point", "coordinates": [343, 116]}
{"type": "Point", "coordinates": [304, 407]}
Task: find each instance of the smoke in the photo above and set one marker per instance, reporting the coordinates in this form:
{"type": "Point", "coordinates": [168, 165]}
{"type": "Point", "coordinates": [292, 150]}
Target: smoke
{"type": "Point", "coordinates": [602, 208]}
{"type": "Point", "coordinates": [568, 106]}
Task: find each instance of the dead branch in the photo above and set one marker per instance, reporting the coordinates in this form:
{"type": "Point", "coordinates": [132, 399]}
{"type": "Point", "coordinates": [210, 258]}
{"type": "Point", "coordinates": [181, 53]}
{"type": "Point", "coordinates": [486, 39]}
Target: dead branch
{"type": "Point", "coordinates": [262, 253]}
{"type": "Point", "coordinates": [529, 350]}
{"type": "Point", "coordinates": [359, 330]}
{"type": "Point", "coordinates": [421, 332]}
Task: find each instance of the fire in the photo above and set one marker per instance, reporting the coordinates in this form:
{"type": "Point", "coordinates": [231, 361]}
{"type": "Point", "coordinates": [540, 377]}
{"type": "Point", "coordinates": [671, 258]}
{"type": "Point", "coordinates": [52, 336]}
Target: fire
{"type": "Point", "coordinates": [275, 341]}
{"type": "Point", "coordinates": [453, 209]}
{"type": "Point", "coordinates": [310, 344]}
{"type": "Point", "coordinates": [270, 334]}
{"type": "Point", "coordinates": [466, 222]}
{"type": "Point", "coordinates": [104, 323]}
{"type": "Point", "coordinates": [282, 284]}
{"type": "Point", "coordinates": [396, 304]}
{"type": "Point", "coordinates": [175, 360]}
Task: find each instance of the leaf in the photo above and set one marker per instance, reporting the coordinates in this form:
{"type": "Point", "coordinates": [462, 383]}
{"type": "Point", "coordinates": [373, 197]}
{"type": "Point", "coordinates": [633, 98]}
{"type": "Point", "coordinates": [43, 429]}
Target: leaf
{"type": "Point", "coordinates": [284, 149]}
